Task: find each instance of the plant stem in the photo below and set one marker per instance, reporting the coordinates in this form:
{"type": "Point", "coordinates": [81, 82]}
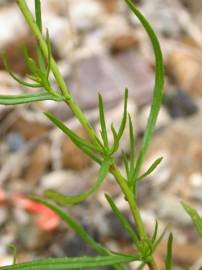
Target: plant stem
{"type": "Point", "coordinates": [59, 79]}
{"type": "Point", "coordinates": [133, 207]}
{"type": "Point", "coordinates": [85, 123]}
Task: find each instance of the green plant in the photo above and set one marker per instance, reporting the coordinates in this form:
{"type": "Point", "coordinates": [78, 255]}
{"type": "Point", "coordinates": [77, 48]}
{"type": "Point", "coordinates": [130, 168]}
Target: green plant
{"type": "Point", "coordinates": [98, 149]}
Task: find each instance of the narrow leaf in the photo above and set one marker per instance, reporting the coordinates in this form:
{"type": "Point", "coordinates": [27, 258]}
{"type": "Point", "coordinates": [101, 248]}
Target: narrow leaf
{"type": "Point", "coordinates": [38, 14]}
{"type": "Point", "coordinates": [76, 227]}
{"type": "Point", "coordinates": [126, 165]}
{"type": "Point", "coordinates": [132, 152]}
{"type": "Point", "coordinates": [116, 140]}
{"type": "Point", "coordinates": [20, 81]}
{"type": "Point", "coordinates": [155, 232]}
{"type": "Point", "coordinates": [168, 260]}
{"type": "Point", "coordinates": [158, 88]}
{"type": "Point", "coordinates": [160, 238]}
{"type": "Point", "coordinates": [152, 168]}
{"type": "Point", "coordinates": [86, 147]}
{"type": "Point", "coordinates": [197, 220]}
{"type": "Point", "coordinates": [39, 24]}
{"type": "Point", "coordinates": [71, 263]}
{"type": "Point", "coordinates": [61, 199]}
{"type": "Point", "coordinates": [49, 54]}
{"type": "Point", "coordinates": [124, 118]}
{"type": "Point", "coordinates": [103, 123]}
{"type": "Point", "coordinates": [123, 221]}
{"type": "Point", "coordinates": [28, 98]}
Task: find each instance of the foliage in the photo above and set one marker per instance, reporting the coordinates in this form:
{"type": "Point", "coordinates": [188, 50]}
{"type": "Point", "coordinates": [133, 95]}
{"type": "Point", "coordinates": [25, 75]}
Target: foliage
{"type": "Point", "coordinates": [99, 150]}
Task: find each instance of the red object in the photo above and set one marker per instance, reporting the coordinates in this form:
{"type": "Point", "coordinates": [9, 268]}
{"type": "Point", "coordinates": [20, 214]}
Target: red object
{"type": "Point", "coordinates": [47, 219]}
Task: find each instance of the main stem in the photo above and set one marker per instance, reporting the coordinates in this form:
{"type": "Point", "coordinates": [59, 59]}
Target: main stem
{"type": "Point", "coordinates": [85, 123]}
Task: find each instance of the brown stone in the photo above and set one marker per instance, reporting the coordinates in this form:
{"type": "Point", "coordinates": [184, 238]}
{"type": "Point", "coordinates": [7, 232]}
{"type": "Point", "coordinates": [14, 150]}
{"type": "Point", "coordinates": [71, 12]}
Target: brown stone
{"type": "Point", "coordinates": [123, 42]}
{"type": "Point", "coordinates": [185, 67]}
{"type": "Point", "coordinates": [30, 129]}
{"type": "Point", "coordinates": [40, 159]}
{"type": "Point", "coordinates": [110, 6]}
{"type": "Point", "coordinates": [72, 157]}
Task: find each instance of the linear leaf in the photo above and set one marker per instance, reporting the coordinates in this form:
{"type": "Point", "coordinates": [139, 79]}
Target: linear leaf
{"type": "Point", "coordinates": [197, 220]}
{"type": "Point", "coordinates": [68, 132]}
{"type": "Point", "coordinates": [20, 81]}
{"type": "Point", "coordinates": [116, 140]}
{"type": "Point", "coordinates": [123, 220]}
{"type": "Point", "coordinates": [158, 88]}
{"type": "Point", "coordinates": [124, 118]}
{"type": "Point", "coordinates": [61, 199]}
{"type": "Point", "coordinates": [132, 152]}
{"type": "Point", "coordinates": [39, 24]}
{"type": "Point", "coordinates": [38, 14]}
{"type": "Point", "coordinates": [103, 123]}
{"type": "Point", "coordinates": [28, 98]}
{"type": "Point", "coordinates": [155, 232]}
{"type": "Point", "coordinates": [126, 165]}
{"type": "Point", "coordinates": [71, 263]}
{"type": "Point", "coordinates": [49, 54]}
{"type": "Point", "coordinates": [76, 227]}
{"type": "Point", "coordinates": [160, 238]}
{"type": "Point", "coordinates": [168, 259]}
{"type": "Point", "coordinates": [86, 147]}
{"type": "Point", "coordinates": [151, 168]}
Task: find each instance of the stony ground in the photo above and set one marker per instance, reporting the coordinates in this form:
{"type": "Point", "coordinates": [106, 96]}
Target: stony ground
{"type": "Point", "coordinates": [101, 47]}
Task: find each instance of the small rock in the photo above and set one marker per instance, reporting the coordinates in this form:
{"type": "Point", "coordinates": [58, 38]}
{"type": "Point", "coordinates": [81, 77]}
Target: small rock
{"type": "Point", "coordinates": [39, 162]}
{"type": "Point", "coordinates": [124, 42]}
{"type": "Point", "coordinates": [67, 182]}
{"type": "Point", "coordinates": [85, 15]}
{"type": "Point", "coordinates": [15, 142]}
{"type": "Point", "coordinates": [110, 6]}
{"type": "Point", "coordinates": [180, 104]}
{"type": "Point", "coordinates": [31, 125]}
{"type": "Point", "coordinates": [169, 207]}
{"type": "Point", "coordinates": [185, 66]}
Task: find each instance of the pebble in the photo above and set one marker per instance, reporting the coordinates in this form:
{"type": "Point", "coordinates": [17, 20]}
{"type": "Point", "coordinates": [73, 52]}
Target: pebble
{"type": "Point", "coordinates": [180, 104]}
{"type": "Point", "coordinates": [85, 15]}
{"type": "Point", "coordinates": [169, 207]}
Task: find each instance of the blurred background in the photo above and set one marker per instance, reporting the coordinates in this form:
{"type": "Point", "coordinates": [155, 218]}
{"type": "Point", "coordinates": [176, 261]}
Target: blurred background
{"type": "Point", "coordinates": [101, 47]}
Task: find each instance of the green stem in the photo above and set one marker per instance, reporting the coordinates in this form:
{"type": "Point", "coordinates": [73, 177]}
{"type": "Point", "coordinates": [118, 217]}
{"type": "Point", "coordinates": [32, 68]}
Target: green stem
{"type": "Point", "coordinates": [39, 37]}
{"type": "Point", "coordinates": [86, 125]}
{"type": "Point", "coordinates": [130, 198]}
{"type": "Point", "coordinates": [133, 207]}
{"type": "Point", "coordinates": [59, 79]}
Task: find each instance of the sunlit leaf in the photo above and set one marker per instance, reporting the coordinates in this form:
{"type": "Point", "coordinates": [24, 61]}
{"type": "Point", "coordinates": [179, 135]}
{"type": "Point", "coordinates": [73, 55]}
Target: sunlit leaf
{"type": "Point", "coordinates": [197, 220]}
